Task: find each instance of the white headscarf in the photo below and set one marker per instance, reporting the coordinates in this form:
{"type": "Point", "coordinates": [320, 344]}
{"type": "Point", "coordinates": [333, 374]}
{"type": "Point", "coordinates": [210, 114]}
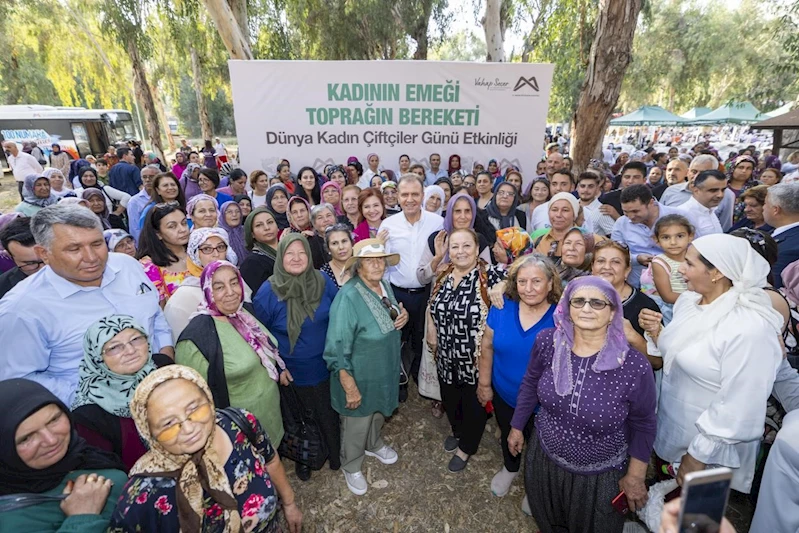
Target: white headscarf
{"type": "Point", "coordinates": [434, 190]}
{"type": "Point", "coordinates": [747, 270]}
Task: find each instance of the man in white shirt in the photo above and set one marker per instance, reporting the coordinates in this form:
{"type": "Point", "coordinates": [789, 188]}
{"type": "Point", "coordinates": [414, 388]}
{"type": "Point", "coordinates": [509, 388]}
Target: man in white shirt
{"type": "Point", "coordinates": [588, 192]}
{"type": "Point", "coordinates": [680, 193]}
{"type": "Point", "coordinates": [435, 171]}
{"type": "Point", "coordinates": [219, 148]}
{"type": "Point", "coordinates": [22, 164]}
{"type": "Point", "coordinates": [45, 317]}
{"type": "Point", "coordinates": [707, 193]}
{"type": "Point", "coordinates": [408, 232]}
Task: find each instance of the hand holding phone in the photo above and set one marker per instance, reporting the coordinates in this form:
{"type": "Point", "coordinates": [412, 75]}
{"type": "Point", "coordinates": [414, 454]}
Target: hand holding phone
{"type": "Point", "coordinates": [704, 499]}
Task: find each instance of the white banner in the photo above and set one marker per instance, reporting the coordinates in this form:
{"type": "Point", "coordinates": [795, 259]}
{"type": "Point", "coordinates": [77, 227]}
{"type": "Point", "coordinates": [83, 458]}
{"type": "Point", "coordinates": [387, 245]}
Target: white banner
{"type": "Point", "coordinates": [322, 112]}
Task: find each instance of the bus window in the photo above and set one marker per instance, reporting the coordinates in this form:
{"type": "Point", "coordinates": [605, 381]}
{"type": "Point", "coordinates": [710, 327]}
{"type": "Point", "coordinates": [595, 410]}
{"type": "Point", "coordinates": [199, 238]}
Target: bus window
{"type": "Point", "coordinates": [81, 138]}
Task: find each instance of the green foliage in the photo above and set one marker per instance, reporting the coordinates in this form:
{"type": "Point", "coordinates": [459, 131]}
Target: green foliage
{"type": "Point", "coordinates": [220, 111]}
{"type": "Point", "coordinates": [463, 46]}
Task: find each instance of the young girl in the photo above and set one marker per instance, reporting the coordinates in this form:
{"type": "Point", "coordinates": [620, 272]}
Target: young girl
{"type": "Point", "coordinates": [673, 234]}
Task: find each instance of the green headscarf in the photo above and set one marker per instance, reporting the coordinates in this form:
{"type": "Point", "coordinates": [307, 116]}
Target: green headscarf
{"type": "Point", "coordinates": [249, 241]}
{"type": "Point", "coordinates": [97, 384]}
{"type": "Point", "coordinates": [301, 293]}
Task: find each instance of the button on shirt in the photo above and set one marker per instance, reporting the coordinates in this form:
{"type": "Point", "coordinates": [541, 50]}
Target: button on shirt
{"type": "Point", "coordinates": [408, 240]}
{"type": "Point", "coordinates": [45, 317]}
{"type": "Point", "coordinates": [23, 165]}
{"type": "Point", "coordinates": [704, 218]}
{"type": "Point", "coordinates": [679, 194]}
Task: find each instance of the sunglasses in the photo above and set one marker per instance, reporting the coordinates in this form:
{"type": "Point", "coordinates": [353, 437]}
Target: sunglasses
{"type": "Point", "coordinates": [392, 311]}
{"type": "Point", "coordinates": [595, 303]}
{"type": "Point", "coordinates": [200, 415]}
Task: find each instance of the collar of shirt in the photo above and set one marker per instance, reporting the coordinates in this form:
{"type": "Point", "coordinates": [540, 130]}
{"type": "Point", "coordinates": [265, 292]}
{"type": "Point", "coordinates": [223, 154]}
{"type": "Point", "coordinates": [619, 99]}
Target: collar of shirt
{"type": "Point", "coordinates": [693, 205]}
{"type": "Point", "coordinates": [66, 288]}
{"type": "Point", "coordinates": [783, 229]}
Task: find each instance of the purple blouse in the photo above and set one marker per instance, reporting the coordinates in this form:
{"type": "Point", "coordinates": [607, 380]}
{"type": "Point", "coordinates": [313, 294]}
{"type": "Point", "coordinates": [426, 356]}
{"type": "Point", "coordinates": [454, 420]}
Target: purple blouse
{"type": "Point", "coordinates": [608, 415]}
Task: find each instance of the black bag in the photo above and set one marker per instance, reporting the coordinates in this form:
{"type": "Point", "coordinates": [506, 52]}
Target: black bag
{"type": "Point", "coordinates": [302, 439]}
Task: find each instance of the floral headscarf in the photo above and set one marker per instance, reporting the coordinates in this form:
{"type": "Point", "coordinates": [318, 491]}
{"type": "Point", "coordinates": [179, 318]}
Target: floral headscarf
{"type": "Point", "coordinates": [263, 344]}
{"type": "Point", "coordinates": [97, 384]}
{"type": "Point", "coordinates": [333, 185]}
{"type": "Point", "coordinates": [29, 197]}
{"type": "Point", "coordinates": [196, 239]}
{"type": "Point", "coordinates": [615, 349]}
{"type": "Point", "coordinates": [201, 470]}
{"type": "Point", "coordinates": [197, 198]}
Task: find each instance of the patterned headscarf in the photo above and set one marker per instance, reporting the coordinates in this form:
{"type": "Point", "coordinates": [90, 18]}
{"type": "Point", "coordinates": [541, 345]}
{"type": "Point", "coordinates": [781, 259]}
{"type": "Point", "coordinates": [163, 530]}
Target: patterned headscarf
{"type": "Point", "coordinates": [249, 239]}
{"type": "Point", "coordinates": [87, 194]}
{"type": "Point", "coordinates": [196, 239]}
{"type": "Point", "coordinates": [434, 190]}
{"type": "Point", "coordinates": [611, 356]}
{"type": "Point", "coordinates": [201, 470]}
{"type": "Point", "coordinates": [197, 198]}
{"type": "Point", "coordinates": [236, 234]}
{"type": "Point", "coordinates": [333, 185]}
{"type": "Point", "coordinates": [261, 342]}
{"type": "Point", "coordinates": [28, 195]}
{"type": "Point", "coordinates": [292, 224]}
{"type": "Point", "coordinates": [97, 384]}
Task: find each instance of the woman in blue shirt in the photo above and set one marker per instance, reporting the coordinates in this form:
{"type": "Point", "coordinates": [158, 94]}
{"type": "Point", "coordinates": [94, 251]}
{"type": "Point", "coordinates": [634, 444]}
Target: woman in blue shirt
{"type": "Point", "coordinates": [532, 291]}
{"type": "Point", "coordinates": [294, 305]}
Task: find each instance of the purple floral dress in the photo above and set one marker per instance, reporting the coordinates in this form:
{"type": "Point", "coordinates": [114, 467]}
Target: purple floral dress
{"type": "Point", "coordinates": [150, 503]}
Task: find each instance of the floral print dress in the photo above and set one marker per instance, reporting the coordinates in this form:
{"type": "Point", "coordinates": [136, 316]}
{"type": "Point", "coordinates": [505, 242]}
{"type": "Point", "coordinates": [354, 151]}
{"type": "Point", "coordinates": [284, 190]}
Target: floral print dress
{"type": "Point", "coordinates": [150, 503]}
{"type": "Point", "coordinates": [165, 282]}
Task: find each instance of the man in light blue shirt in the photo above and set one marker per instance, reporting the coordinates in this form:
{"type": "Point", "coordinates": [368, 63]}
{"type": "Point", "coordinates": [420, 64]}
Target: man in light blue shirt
{"type": "Point", "coordinates": [636, 227]}
{"type": "Point", "coordinates": [435, 171]}
{"type": "Point", "coordinates": [139, 201]}
{"type": "Point", "coordinates": [682, 192]}
{"type": "Point", "coordinates": [45, 317]}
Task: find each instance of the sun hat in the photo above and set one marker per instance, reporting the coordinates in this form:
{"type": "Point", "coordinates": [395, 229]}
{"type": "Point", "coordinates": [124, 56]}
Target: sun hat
{"type": "Point", "coordinates": [371, 248]}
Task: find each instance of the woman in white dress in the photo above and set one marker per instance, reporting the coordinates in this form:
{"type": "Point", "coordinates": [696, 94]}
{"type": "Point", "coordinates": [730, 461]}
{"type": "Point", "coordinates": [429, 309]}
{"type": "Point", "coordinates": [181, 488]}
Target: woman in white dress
{"type": "Point", "coordinates": [720, 358]}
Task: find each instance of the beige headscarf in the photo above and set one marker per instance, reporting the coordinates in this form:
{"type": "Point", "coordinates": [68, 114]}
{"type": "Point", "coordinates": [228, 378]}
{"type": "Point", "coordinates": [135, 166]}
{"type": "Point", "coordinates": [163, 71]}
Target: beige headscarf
{"type": "Point", "coordinates": [201, 470]}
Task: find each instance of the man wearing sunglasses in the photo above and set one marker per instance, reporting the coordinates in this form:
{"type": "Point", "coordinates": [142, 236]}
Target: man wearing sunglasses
{"type": "Point", "coordinates": [17, 240]}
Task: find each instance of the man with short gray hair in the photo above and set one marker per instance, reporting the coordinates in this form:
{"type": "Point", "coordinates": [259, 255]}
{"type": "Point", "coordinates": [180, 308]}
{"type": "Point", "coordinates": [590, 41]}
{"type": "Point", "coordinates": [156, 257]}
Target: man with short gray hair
{"type": "Point", "coordinates": [46, 315]}
{"type": "Point", "coordinates": [781, 210]}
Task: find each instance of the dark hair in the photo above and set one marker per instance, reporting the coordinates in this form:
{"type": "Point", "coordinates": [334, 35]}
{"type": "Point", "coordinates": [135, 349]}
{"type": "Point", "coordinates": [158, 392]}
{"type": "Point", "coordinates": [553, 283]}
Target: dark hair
{"type": "Point", "coordinates": [101, 161]}
{"type": "Point", "coordinates": [589, 175]}
{"type": "Point", "coordinates": [239, 197]}
{"type": "Point", "coordinates": [338, 227]}
{"type": "Point", "coordinates": [706, 175]}
{"type": "Point", "coordinates": [208, 144]}
{"type": "Point", "coordinates": [19, 231]}
{"type": "Point", "coordinates": [211, 174]}
{"type": "Point", "coordinates": [672, 220]}
{"type": "Point", "coordinates": [121, 152]}
{"type": "Point", "coordinates": [634, 165]}
{"type": "Point", "coordinates": [761, 242]}
{"type": "Point", "coordinates": [567, 173]}
{"type": "Point", "coordinates": [316, 193]}
{"type": "Point", "coordinates": [358, 167]}
{"type": "Point", "coordinates": [636, 192]}
{"type": "Point", "coordinates": [149, 243]}
{"type": "Point", "coordinates": [415, 165]}
{"type": "Point", "coordinates": [155, 196]}
{"type": "Point", "coordinates": [280, 167]}
{"type": "Point", "coordinates": [236, 174]}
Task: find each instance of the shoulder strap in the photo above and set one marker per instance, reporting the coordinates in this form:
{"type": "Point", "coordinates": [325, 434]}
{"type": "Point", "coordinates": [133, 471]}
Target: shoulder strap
{"type": "Point", "coordinates": [237, 417]}
{"type": "Point", "coordinates": [483, 281]}
{"type": "Point", "coordinates": [201, 330]}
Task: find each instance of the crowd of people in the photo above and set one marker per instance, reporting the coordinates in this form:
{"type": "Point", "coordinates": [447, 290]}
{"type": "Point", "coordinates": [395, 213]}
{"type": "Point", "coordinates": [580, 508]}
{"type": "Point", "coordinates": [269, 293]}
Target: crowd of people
{"type": "Point", "coordinates": [167, 331]}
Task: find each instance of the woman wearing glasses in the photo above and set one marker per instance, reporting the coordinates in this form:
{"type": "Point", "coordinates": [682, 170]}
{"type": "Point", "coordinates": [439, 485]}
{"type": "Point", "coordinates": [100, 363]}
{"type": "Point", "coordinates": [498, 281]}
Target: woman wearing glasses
{"type": "Point", "coordinates": [162, 248]}
{"type": "Point", "coordinates": [208, 181]}
{"type": "Point", "coordinates": [117, 356]}
{"type": "Point", "coordinates": [596, 422]}
{"type": "Point", "coordinates": [362, 352]}
{"type": "Point", "coordinates": [202, 472]}
{"type": "Point", "coordinates": [294, 304]}
{"type": "Point", "coordinates": [205, 245]}
{"type": "Point", "coordinates": [458, 310]}
{"type": "Point", "coordinates": [501, 210]}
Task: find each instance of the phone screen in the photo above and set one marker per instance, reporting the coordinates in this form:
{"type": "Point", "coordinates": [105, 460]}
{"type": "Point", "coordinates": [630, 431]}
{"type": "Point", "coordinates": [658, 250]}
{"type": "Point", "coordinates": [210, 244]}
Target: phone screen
{"type": "Point", "coordinates": [703, 507]}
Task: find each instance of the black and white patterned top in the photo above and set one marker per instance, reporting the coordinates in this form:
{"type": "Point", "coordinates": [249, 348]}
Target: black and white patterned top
{"type": "Point", "coordinates": [459, 314]}
{"type": "Point", "coordinates": [327, 269]}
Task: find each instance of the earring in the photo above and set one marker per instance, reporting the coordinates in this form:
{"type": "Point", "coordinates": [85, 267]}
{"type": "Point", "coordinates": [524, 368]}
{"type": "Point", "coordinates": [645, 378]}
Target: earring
{"type": "Point", "coordinates": [713, 280]}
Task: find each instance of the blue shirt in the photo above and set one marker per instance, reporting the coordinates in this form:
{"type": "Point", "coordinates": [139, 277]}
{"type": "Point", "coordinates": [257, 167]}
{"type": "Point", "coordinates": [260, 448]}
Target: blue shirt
{"type": "Point", "coordinates": [125, 177]}
{"type": "Point", "coordinates": [136, 206]}
{"type": "Point", "coordinates": [45, 317]}
{"type": "Point", "coordinates": [305, 361]}
{"type": "Point", "coordinates": [512, 347]}
{"type": "Point", "coordinates": [641, 238]}
{"type": "Point", "coordinates": [222, 198]}
{"type": "Point", "coordinates": [431, 177]}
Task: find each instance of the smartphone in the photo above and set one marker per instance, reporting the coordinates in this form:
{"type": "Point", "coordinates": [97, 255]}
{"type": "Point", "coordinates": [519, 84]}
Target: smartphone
{"type": "Point", "coordinates": [704, 499]}
{"type": "Point", "coordinates": [620, 503]}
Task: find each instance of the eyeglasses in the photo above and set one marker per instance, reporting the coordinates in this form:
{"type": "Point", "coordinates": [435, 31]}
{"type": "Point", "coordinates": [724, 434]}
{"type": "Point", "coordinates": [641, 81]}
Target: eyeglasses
{"type": "Point", "coordinates": [392, 311]}
{"type": "Point", "coordinates": [595, 303]}
{"type": "Point", "coordinates": [118, 349]}
{"type": "Point", "coordinates": [200, 415]}
{"type": "Point", "coordinates": [29, 265]}
{"type": "Point", "coordinates": [506, 194]}
{"type": "Point", "coordinates": [469, 184]}
{"type": "Point", "coordinates": [219, 248]}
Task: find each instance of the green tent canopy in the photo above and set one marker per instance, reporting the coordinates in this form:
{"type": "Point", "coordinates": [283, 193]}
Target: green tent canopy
{"type": "Point", "coordinates": [731, 113]}
{"type": "Point", "coordinates": [696, 112]}
{"type": "Point", "coordinates": [648, 115]}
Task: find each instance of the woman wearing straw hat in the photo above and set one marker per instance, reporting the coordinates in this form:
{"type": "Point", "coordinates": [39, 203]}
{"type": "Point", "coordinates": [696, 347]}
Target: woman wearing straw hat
{"type": "Point", "coordinates": [362, 352]}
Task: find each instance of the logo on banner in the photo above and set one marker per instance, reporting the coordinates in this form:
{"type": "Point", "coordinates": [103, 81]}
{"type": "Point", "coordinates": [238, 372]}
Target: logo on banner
{"type": "Point", "coordinates": [525, 83]}
{"type": "Point", "coordinates": [492, 85]}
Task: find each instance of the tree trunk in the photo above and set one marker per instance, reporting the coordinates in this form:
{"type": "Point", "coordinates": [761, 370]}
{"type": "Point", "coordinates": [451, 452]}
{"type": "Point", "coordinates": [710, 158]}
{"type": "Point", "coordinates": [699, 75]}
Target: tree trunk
{"type": "Point", "coordinates": [239, 9]}
{"type": "Point", "coordinates": [419, 30]}
{"type": "Point", "coordinates": [495, 33]}
{"type": "Point", "coordinates": [610, 56]}
{"type": "Point", "coordinates": [236, 42]}
{"type": "Point", "coordinates": [145, 98]}
{"type": "Point", "coordinates": [197, 82]}
{"type": "Point", "coordinates": [170, 140]}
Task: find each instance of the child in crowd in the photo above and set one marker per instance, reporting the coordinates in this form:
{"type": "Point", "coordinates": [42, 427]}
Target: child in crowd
{"type": "Point", "coordinates": [663, 281]}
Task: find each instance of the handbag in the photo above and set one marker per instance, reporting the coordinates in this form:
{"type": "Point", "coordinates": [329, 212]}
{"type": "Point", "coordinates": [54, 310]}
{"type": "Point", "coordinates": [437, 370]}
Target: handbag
{"type": "Point", "coordinates": [302, 439]}
{"type": "Point", "coordinates": [428, 374]}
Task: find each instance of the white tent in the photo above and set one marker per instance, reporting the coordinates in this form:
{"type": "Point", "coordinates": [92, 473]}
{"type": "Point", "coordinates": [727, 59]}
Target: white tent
{"type": "Point", "coordinates": [780, 110]}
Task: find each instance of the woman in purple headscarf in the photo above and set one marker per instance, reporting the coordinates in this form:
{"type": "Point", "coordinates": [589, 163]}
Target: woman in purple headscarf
{"type": "Point", "coordinates": [231, 220]}
{"type": "Point", "coordinates": [596, 423]}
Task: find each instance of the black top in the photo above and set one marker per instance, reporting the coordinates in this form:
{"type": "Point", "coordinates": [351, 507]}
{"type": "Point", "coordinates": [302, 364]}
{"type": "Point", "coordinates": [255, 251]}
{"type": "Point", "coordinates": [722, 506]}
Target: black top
{"type": "Point", "coordinates": [633, 305]}
{"type": "Point", "coordinates": [612, 198]}
{"type": "Point", "coordinates": [658, 190]}
{"type": "Point", "coordinates": [9, 280]}
{"type": "Point", "coordinates": [256, 269]}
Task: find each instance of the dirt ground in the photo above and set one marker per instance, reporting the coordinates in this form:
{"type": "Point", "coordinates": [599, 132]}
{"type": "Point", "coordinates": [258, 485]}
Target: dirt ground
{"type": "Point", "coordinates": [9, 197]}
{"type": "Point", "coordinates": [419, 494]}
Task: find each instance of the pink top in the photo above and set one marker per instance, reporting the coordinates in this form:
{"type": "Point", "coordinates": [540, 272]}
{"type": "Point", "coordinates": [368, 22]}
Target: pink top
{"type": "Point", "coordinates": [165, 281]}
{"type": "Point", "coordinates": [362, 231]}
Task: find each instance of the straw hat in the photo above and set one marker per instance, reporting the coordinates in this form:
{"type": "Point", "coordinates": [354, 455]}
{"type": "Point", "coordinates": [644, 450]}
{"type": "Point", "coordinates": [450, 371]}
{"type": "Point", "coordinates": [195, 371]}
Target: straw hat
{"type": "Point", "coordinates": [371, 248]}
